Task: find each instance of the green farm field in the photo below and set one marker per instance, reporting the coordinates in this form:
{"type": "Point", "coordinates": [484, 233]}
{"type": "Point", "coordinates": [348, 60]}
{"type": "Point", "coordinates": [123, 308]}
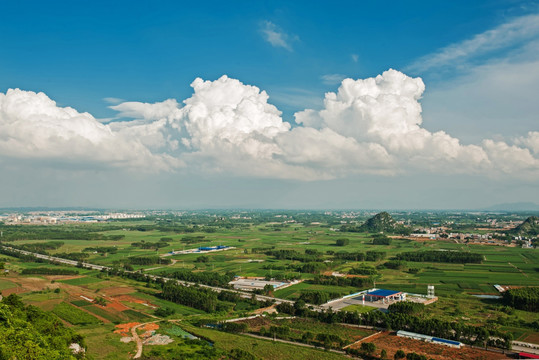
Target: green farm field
{"type": "Point", "coordinates": [501, 265]}
{"type": "Point", "coordinates": [455, 283]}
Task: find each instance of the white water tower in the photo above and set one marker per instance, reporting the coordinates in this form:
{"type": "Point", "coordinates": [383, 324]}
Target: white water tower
{"type": "Point", "coordinates": [430, 291]}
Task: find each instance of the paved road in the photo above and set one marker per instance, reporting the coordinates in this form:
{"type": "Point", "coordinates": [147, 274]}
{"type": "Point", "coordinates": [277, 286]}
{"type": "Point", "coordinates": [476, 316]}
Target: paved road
{"type": "Point", "coordinates": [528, 350]}
{"type": "Point", "coordinates": [243, 294]}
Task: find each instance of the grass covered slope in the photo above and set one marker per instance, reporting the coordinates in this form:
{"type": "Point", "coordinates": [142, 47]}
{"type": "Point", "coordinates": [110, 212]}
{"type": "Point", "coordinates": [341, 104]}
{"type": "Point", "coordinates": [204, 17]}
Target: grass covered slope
{"type": "Point", "coordinates": [529, 227]}
{"type": "Point", "coordinates": [30, 333]}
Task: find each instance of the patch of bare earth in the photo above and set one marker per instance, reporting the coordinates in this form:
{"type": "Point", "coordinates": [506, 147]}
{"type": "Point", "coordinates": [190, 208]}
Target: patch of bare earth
{"type": "Point", "coordinates": [63, 277]}
{"type": "Point", "coordinates": [391, 343]}
{"type": "Point", "coordinates": [118, 290]}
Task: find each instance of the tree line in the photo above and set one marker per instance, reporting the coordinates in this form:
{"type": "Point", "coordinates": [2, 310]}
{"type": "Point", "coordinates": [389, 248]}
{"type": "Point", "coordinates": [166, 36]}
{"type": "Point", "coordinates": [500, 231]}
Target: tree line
{"type": "Point", "coordinates": [21, 232]}
{"type": "Point", "coordinates": [469, 334]}
{"type": "Point", "coordinates": [49, 271]}
{"type": "Point", "coordinates": [102, 249]}
{"type": "Point", "coordinates": [205, 277]}
{"type": "Point", "coordinates": [460, 257]}
{"type": "Point", "coordinates": [148, 260]}
{"type": "Point", "coordinates": [360, 256]}
{"type": "Point", "coordinates": [163, 242]}
{"type": "Point", "coordinates": [205, 299]}
{"type": "Point", "coordinates": [526, 298]}
{"type": "Point", "coordinates": [358, 282]}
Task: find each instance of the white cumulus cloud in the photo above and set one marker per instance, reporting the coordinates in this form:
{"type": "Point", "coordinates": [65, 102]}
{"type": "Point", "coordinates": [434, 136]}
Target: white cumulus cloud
{"type": "Point", "coordinates": [32, 126]}
{"type": "Point", "coordinates": [386, 111]}
{"type": "Point", "coordinates": [368, 126]}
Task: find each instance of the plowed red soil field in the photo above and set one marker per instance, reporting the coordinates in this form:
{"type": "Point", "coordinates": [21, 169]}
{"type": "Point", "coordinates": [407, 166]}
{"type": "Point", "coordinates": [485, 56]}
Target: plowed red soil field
{"type": "Point", "coordinates": [392, 343]}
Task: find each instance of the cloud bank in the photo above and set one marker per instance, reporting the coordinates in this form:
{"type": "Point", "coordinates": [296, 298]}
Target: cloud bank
{"type": "Point", "coordinates": [369, 126]}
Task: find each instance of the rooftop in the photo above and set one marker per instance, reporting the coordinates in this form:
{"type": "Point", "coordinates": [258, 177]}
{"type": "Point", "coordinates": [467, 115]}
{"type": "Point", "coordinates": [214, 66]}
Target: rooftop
{"type": "Point", "coordinates": [383, 292]}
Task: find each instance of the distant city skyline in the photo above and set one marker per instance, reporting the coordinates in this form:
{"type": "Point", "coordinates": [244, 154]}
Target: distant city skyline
{"type": "Point", "coordinates": [298, 105]}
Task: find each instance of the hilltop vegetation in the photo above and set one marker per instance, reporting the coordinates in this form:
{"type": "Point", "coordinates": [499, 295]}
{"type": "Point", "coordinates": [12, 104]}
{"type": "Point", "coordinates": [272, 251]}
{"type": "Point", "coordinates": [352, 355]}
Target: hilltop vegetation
{"type": "Point", "coordinates": [379, 223]}
{"type": "Point", "coordinates": [529, 227]}
{"type": "Point", "coordinates": [30, 333]}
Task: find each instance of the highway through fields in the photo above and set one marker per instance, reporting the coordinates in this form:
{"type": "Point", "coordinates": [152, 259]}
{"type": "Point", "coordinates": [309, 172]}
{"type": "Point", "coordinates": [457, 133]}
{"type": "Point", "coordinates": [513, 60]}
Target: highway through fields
{"type": "Point", "coordinates": [156, 277]}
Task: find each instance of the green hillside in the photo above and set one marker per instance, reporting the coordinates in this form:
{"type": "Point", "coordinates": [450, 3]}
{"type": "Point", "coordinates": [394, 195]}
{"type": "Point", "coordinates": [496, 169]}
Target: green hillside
{"type": "Point", "coordinates": [530, 227]}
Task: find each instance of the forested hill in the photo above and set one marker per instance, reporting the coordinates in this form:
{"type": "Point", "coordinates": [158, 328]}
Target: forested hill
{"type": "Point", "coordinates": [379, 223]}
{"type": "Point", "coordinates": [28, 332]}
{"type": "Point", "coordinates": [530, 227]}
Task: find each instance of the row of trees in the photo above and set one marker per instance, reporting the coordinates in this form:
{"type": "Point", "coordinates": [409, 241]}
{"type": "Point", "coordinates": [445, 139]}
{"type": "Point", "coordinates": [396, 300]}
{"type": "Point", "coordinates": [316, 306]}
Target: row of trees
{"type": "Point", "coordinates": [363, 270]}
{"type": "Point", "coordinates": [358, 282]}
{"type": "Point", "coordinates": [148, 260]}
{"type": "Point", "coordinates": [49, 271]}
{"type": "Point", "coordinates": [76, 256]}
{"type": "Point", "coordinates": [206, 299]}
{"type": "Point", "coordinates": [526, 298]}
{"type": "Point", "coordinates": [325, 340]}
{"type": "Point", "coordinates": [460, 257]}
{"type": "Point", "coordinates": [24, 257]}
{"type": "Point", "coordinates": [406, 307]}
{"type": "Point", "coordinates": [475, 335]}
{"type": "Point", "coordinates": [163, 242]}
{"type": "Point", "coordinates": [360, 256]}
{"type": "Point", "coordinates": [294, 255]}
{"type": "Point", "coordinates": [205, 277]}
{"type": "Point", "coordinates": [21, 232]}
{"type": "Point", "coordinates": [102, 249]}
{"type": "Point", "coordinates": [192, 296]}
{"type": "Point", "coordinates": [319, 297]}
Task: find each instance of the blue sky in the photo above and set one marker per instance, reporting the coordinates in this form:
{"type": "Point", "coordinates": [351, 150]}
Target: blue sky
{"type": "Point", "coordinates": [478, 62]}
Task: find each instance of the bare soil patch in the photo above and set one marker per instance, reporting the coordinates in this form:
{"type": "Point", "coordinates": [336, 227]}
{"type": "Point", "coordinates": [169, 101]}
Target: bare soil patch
{"type": "Point", "coordinates": [63, 277]}
{"type": "Point", "coordinates": [135, 300]}
{"type": "Point", "coordinates": [256, 323]}
{"type": "Point", "coordinates": [392, 343]}
{"type": "Point", "coordinates": [15, 290]}
{"type": "Point", "coordinates": [118, 290]}
{"type": "Point", "coordinates": [31, 283]}
{"type": "Point", "coordinates": [125, 329]}
{"type": "Point", "coordinates": [116, 306]}
{"type": "Point", "coordinates": [270, 310]}
{"type": "Point", "coordinates": [532, 338]}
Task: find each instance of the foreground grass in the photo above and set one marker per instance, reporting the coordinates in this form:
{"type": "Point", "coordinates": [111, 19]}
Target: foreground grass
{"type": "Point", "coordinates": [103, 344]}
{"type": "Point", "coordinates": [359, 308]}
{"type": "Point", "coordinates": [263, 349]}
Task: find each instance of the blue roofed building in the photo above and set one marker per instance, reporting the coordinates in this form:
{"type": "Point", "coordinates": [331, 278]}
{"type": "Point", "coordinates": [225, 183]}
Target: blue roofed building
{"type": "Point", "coordinates": [385, 296]}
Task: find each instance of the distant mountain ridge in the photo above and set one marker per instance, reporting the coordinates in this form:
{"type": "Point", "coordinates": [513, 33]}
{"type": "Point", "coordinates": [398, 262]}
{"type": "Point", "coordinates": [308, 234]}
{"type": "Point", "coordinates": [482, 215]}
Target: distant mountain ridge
{"type": "Point", "coordinates": [516, 206]}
